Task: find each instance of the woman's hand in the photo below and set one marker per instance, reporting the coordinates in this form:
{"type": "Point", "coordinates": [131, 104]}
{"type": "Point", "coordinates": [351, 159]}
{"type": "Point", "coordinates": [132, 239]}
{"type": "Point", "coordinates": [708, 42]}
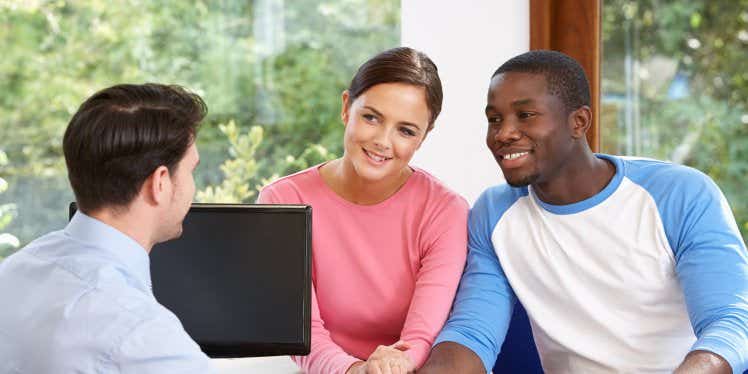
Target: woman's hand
{"type": "Point", "coordinates": [386, 359]}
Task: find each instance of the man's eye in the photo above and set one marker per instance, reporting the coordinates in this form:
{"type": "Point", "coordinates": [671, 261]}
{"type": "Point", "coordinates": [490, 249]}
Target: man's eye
{"type": "Point", "coordinates": [525, 115]}
{"type": "Point", "coordinates": [493, 120]}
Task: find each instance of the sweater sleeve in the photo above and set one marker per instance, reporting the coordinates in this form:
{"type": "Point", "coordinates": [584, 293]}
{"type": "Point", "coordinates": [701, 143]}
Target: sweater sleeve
{"type": "Point", "coordinates": [484, 302]}
{"type": "Point", "coordinates": [268, 196]}
{"type": "Point", "coordinates": [442, 263]}
{"type": "Point", "coordinates": [325, 356]}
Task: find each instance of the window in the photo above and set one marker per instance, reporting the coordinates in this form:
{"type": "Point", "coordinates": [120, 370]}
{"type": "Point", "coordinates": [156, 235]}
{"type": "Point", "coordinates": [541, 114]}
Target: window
{"type": "Point", "coordinates": [675, 87]}
{"type": "Point", "coordinates": [270, 71]}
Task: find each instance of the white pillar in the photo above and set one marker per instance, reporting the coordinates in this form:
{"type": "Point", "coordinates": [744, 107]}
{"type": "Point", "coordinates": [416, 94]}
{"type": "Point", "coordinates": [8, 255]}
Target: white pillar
{"type": "Point", "coordinates": [467, 40]}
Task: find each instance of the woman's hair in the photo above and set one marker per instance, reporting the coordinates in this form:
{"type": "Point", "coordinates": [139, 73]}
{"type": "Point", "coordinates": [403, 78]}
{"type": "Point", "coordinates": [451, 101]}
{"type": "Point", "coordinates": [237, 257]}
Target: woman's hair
{"type": "Point", "coordinates": [401, 65]}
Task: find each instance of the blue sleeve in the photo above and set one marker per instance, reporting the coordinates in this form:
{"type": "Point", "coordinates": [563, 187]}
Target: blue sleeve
{"type": "Point", "coordinates": [711, 259]}
{"type": "Point", "coordinates": [483, 306]}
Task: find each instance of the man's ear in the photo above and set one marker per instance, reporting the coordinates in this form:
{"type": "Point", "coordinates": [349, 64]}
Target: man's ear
{"type": "Point", "coordinates": [344, 109]}
{"type": "Point", "coordinates": [158, 187]}
{"type": "Point", "coordinates": [580, 121]}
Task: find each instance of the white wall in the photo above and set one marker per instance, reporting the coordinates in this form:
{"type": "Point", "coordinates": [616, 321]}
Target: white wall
{"type": "Point", "coordinates": [467, 40]}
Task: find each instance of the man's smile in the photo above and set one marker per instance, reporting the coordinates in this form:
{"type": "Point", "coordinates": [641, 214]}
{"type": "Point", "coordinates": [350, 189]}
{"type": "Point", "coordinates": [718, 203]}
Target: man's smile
{"type": "Point", "coordinates": [512, 158]}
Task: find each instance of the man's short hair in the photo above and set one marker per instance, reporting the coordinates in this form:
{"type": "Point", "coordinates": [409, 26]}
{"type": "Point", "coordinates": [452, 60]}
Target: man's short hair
{"type": "Point", "coordinates": [564, 76]}
{"type": "Point", "coordinates": [120, 135]}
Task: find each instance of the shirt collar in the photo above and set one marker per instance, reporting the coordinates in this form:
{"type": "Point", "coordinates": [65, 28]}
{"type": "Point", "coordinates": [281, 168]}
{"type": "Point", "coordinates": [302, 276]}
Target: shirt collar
{"type": "Point", "coordinates": [593, 200]}
{"type": "Point", "coordinates": [110, 241]}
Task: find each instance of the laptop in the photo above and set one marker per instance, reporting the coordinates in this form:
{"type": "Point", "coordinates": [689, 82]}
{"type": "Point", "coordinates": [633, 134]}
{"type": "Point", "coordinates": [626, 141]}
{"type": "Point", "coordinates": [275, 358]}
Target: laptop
{"type": "Point", "coordinates": [239, 278]}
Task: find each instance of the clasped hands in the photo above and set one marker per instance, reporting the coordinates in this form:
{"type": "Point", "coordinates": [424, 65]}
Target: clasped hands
{"type": "Point", "coordinates": [386, 359]}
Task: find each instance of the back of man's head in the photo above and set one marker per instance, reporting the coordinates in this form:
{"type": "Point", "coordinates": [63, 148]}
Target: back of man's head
{"type": "Point", "coordinates": [564, 76]}
{"type": "Point", "coordinates": [121, 134]}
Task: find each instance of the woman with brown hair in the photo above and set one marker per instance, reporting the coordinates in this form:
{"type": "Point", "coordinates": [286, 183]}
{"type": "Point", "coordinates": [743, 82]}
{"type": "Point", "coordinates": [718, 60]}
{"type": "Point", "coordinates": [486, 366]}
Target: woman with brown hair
{"type": "Point", "coordinates": [389, 239]}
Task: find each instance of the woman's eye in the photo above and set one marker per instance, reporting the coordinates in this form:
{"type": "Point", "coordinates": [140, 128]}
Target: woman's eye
{"type": "Point", "coordinates": [370, 117]}
{"type": "Point", "coordinates": [407, 132]}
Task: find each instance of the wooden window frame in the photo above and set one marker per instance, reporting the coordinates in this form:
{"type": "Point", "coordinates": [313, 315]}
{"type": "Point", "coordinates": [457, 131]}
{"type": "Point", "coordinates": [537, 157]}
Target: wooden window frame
{"type": "Point", "coordinates": [572, 27]}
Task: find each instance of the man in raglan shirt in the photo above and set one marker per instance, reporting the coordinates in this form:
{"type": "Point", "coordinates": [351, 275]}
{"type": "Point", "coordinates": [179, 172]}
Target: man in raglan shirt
{"type": "Point", "coordinates": [623, 265]}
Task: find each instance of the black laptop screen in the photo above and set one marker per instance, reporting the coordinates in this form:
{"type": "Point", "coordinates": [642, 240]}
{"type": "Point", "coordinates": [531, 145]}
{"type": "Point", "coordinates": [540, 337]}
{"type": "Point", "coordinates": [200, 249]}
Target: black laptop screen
{"type": "Point", "coordinates": [239, 278]}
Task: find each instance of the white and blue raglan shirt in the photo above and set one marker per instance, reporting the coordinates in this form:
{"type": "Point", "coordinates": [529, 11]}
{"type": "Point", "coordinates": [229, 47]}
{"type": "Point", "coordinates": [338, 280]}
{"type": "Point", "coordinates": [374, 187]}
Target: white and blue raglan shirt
{"type": "Point", "coordinates": [629, 280]}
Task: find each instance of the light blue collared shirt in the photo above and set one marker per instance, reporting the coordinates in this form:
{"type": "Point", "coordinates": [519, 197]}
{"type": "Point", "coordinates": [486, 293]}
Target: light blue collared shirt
{"type": "Point", "coordinates": [80, 300]}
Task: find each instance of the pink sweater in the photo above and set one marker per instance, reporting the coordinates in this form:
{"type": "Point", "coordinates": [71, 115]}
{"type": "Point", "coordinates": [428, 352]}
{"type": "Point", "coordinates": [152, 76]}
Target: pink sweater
{"type": "Point", "coordinates": [380, 272]}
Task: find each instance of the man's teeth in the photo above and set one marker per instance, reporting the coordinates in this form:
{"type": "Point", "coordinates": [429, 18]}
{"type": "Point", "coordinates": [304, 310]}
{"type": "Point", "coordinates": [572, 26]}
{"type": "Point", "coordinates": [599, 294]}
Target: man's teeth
{"type": "Point", "coordinates": [513, 156]}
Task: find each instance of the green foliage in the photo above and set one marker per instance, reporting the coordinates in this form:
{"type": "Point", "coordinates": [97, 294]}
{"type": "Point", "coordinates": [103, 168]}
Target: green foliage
{"type": "Point", "coordinates": [274, 64]}
{"type": "Point", "coordinates": [7, 212]}
{"type": "Point", "coordinates": [705, 38]}
{"type": "Point", "coordinates": [314, 154]}
{"type": "Point", "coordinates": [240, 171]}
{"type": "Point", "coordinates": [241, 177]}
{"type": "Point", "coordinates": [704, 44]}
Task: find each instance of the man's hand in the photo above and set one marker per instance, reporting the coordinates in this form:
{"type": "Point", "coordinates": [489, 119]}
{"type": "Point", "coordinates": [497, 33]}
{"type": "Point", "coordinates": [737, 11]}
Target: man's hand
{"type": "Point", "coordinates": [703, 362]}
{"type": "Point", "coordinates": [386, 359]}
{"type": "Point", "coordinates": [450, 357]}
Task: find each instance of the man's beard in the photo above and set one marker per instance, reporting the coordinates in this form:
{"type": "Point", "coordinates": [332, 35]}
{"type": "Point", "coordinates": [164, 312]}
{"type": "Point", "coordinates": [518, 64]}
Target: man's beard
{"type": "Point", "coordinates": [523, 181]}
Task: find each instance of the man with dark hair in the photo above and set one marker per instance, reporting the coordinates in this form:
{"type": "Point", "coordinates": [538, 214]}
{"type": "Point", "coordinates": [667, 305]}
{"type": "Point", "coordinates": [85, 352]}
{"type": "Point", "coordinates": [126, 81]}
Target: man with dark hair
{"type": "Point", "coordinates": [80, 300]}
{"type": "Point", "coordinates": [623, 265]}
